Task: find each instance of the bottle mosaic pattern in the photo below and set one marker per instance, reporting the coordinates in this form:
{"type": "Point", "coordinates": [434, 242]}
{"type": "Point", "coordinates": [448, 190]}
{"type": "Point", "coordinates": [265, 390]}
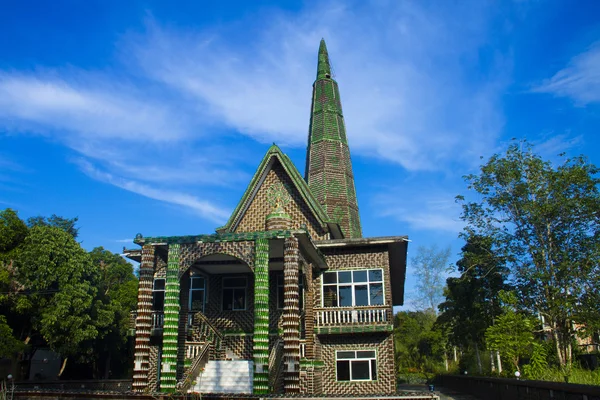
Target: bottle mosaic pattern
{"type": "Point", "coordinates": [143, 321]}
{"type": "Point", "coordinates": [168, 376]}
{"type": "Point", "coordinates": [261, 317]}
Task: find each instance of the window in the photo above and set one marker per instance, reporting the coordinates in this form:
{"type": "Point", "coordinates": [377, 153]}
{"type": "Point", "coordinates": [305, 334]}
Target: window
{"type": "Point", "coordinates": [234, 294]}
{"type": "Point", "coordinates": [280, 291]}
{"type": "Point", "coordinates": [197, 293]}
{"type": "Point", "coordinates": [353, 288]}
{"type": "Point", "coordinates": [158, 294]}
{"type": "Point", "coordinates": [356, 365]}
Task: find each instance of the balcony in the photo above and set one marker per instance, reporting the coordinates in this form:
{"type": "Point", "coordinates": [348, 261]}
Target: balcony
{"type": "Point", "coordinates": [353, 320]}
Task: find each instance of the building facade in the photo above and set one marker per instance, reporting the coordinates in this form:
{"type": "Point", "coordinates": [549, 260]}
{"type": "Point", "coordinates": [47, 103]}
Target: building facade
{"type": "Point", "coordinates": [287, 297]}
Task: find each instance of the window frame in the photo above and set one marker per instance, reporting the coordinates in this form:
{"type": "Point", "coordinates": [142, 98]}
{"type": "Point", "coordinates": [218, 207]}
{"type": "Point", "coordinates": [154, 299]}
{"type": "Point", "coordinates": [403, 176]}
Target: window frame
{"type": "Point", "coordinates": [356, 359]}
{"type": "Point", "coordinates": [163, 291]}
{"type": "Point", "coordinates": [201, 289]}
{"type": "Point", "coordinates": [353, 285]}
{"type": "Point", "coordinates": [224, 287]}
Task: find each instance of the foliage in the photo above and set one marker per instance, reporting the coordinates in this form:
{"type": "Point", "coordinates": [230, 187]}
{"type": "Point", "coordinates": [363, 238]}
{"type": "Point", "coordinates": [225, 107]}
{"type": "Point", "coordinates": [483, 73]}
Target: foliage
{"type": "Point", "coordinates": [512, 332]}
{"type": "Point", "coordinates": [472, 300]}
{"type": "Point", "coordinates": [56, 294]}
{"type": "Point", "coordinates": [430, 266]}
{"type": "Point", "coordinates": [545, 222]}
{"type": "Point", "coordinates": [420, 346]}
{"type": "Point", "coordinates": [538, 363]}
{"type": "Point", "coordinates": [65, 224]}
{"type": "Point", "coordinates": [12, 230]}
{"type": "Point", "coordinates": [9, 344]}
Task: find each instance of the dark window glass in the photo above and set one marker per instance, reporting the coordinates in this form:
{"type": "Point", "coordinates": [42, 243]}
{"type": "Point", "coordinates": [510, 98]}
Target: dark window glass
{"type": "Point", "coordinates": [360, 276]}
{"type": "Point", "coordinates": [234, 282]}
{"type": "Point", "coordinates": [345, 296]}
{"type": "Point", "coordinates": [375, 275]}
{"type": "Point", "coordinates": [345, 276]}
{"type": "Point", "coordinates": [343, 370]}
{"type": "Point", "coordinates": [360, 370]}
{"type": "Point", "coordinates": [197, 300]}
{"type": "Point", "coordinates": [158, 300]}
{"type": "Point", "coordinates": [373, 369]}
{"type": "Point", "coordinates": [330, 277]}
{"type": "Point", "coordinates": [365, 354]}
{"type": "Point", "coordinates": [361, 295]}
{"type": "Point", "coordinates": [159, 284]}
{"type": "Point", "coordinates": [280, 299]}
{"type": "Point", "coordinates": [239, 299]}
{"type": "Point", "coordinates": [227, 299]}
{"type": "Point", "coordinates": [330, 296]}
{"type": "Point", "coordinates": [197, 283]}
{"type": "Point", "coordinates": [376, 294]}
{"type": "Point", "coordinates": [346, 354]}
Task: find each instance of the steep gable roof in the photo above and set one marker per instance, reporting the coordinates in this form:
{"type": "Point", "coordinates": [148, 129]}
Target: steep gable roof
{"type": "Point", "coordinates": [268, 162]}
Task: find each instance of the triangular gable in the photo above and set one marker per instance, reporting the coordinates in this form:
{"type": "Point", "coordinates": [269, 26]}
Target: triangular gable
{"type": "Point", "coordinates": [275, 161]}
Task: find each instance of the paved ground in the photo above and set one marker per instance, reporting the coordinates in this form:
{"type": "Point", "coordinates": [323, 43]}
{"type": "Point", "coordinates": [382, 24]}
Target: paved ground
{"type": "Point", "coordinates": [445, 394]}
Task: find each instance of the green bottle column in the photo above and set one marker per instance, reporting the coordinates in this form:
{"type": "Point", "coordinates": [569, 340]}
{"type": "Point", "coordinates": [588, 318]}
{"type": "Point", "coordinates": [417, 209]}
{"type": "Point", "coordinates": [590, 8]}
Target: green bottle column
{"type": "Point", "coordinates": [168, 375]}
{"type": "Point", "coordinates": [261, 317]}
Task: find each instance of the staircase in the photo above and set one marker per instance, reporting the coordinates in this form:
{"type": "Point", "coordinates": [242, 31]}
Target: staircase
{"type": "Point", "coordinates": [226, 377]}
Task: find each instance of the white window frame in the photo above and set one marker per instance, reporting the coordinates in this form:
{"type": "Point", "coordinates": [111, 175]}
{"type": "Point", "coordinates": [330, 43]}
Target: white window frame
{"type": "Point", "coordinates": [352, 284]}
{"type": "Point", "coordinates": [245, 287]}
{"type": "Point", "coordinates": [192, 289]}
{"type": "Point", "coordinates": [351, 360]}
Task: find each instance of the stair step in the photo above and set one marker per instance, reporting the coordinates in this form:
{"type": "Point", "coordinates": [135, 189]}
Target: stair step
{"type": "Point", "coordinates": [226, 377]}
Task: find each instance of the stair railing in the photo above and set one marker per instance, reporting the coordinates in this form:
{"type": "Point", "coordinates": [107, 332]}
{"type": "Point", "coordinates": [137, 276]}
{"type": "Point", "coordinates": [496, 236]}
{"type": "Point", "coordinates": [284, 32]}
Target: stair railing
{"type": "Point", "coordinates": [275, 365]}
{"type": "Point", "coordinates": [193, 371]}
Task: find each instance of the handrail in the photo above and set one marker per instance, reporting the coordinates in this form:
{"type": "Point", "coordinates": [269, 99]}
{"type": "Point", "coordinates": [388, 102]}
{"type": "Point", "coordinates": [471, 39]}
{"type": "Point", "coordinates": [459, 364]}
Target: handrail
{"type": "Point", "coordinates": [208, 323]}
{"type": "Point", "coordinates": [188, 377]}
{"type": "Point", "coordinates": [275, 363]}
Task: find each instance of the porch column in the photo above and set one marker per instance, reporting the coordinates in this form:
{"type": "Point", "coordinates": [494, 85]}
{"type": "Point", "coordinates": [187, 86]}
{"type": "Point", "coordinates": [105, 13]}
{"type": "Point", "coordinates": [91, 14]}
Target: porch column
{"type": "Point", "coordinates": [260, 341]}
{"type": "Point", "coordinates": [168, 374]}
{"type": "Point", "coordinates": [143, 322]}
{"type": "Point", "coordinates": [291, 317]}
{"type": "Point", "coordinates": [309, 314]}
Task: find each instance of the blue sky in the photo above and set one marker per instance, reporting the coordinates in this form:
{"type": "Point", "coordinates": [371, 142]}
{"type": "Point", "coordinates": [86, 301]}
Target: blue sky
{"type": "Point", "coordinates": [151, 117]}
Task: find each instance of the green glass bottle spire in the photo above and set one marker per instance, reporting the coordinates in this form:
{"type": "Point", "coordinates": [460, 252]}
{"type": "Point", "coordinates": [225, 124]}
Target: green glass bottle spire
{"type": "Point", "coordinates": [328, 165]}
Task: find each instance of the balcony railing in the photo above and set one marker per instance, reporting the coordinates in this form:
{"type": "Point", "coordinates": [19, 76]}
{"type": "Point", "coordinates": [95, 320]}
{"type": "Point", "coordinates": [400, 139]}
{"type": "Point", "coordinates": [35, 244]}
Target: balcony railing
{"type": "Point", "coordinates": [158, 319]}
{"type": "Point", "coordinates": [352, 316]}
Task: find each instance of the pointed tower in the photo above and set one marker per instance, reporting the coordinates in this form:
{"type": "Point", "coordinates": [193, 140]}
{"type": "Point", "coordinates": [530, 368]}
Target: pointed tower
{"type": "Point", "coordinates": [328, 166]}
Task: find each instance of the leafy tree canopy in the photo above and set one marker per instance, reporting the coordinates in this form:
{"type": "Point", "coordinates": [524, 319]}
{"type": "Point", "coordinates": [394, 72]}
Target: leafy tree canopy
{"type": "Point", "coordinates": [544, 220]}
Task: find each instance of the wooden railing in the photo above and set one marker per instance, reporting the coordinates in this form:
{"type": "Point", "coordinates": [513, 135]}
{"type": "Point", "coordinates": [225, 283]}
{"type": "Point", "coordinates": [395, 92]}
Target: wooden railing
{"type": "Point", "coordinates": [352, 316]}
{"type": "Point", "coordinates": [275, 365]}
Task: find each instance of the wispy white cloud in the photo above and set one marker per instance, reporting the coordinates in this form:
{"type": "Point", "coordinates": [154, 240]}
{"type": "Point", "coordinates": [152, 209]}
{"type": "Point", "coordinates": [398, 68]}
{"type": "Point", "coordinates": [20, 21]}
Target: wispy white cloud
{"type": "Point", "coordinates": [579, 80]}
{"type": "Point", "coordinates": [410, 77]}
{"type": "Point", "coordinates": [423, 210]}
{"type": "Point", "coordinates": [203, 208]}
{"type": "Point", "coordinates": [124, 240]}
{"type": "Point", "coordinates": [87, 109]}
{"type": "Point", "coordinates": [405, 90]}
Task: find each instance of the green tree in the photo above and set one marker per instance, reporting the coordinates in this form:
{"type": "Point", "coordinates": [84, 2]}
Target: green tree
{"type": "Point", "coordinates": [117, 293]}
{"type": "Point", "coordinates": [431, 266]}
{"type": "Point", "coordinates": [544, 220]}
{"type": "Point", "coordinates": [419, 345]}
{"type": "Point", "coordinates": [66, 224]}
{"type": "Point", "coordinates": [472, 300]}
{"type": "Point", "coordinates": [57, 276]}
{"type": "Point", "coordinates": [512, 333]}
